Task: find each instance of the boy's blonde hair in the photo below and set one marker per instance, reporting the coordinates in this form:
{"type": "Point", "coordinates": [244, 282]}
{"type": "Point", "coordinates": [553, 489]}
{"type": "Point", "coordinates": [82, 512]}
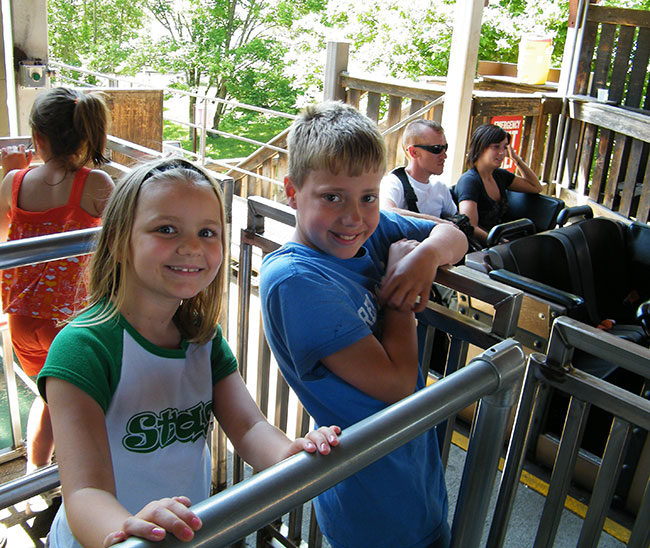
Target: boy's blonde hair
{"type": "Point", "coordinates": [197, 317]}
{"type": "Point", "coordinates": [335, 137]}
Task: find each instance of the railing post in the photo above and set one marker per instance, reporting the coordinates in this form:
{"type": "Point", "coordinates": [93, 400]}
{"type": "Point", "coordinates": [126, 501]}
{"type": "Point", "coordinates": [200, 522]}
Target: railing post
{"type": "Point", "coordinates": [337, 61]}
{"type": "Point", "coordinates": [204, 125]}
{"type": "Point", "coordinates": [486, 443]}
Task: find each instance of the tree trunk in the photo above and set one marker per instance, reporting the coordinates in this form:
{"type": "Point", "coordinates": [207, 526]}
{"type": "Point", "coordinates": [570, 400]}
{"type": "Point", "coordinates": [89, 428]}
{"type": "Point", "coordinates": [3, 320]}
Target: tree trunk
{"type": "Point", "coordinates": [221, 107]}
{"type": "Point", "coordinates": [192, 117]}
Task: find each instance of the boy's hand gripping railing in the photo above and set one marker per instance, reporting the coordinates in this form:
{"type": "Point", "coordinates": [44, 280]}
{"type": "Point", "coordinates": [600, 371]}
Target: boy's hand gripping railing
{"type": "Point", "coordinates": [251, 504]}
{"type": "Point", "coordinates": [555, 370]}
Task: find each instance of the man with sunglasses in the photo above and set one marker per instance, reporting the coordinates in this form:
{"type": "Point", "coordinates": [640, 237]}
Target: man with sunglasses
{"type": "Point", "coordinates": [409, 190]}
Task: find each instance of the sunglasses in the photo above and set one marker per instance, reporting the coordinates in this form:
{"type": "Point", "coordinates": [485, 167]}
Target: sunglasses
{"type": "Point", "coordinates": [433, 149]}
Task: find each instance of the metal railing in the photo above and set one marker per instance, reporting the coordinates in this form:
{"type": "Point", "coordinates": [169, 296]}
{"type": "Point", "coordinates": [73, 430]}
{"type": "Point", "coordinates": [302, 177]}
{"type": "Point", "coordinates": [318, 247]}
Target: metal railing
{"type": "Point", "coordinates": [555, 370]}
{"type": "Point", "coordinates": [493, 376]}
{"type": "Point", "coordinates": [202, 125]}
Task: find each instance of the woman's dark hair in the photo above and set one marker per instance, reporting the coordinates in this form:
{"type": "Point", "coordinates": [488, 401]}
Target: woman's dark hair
{"type": "Point", "coordinates": [483, 137]}
{"type": "Point", "coordinates": [75, 124]}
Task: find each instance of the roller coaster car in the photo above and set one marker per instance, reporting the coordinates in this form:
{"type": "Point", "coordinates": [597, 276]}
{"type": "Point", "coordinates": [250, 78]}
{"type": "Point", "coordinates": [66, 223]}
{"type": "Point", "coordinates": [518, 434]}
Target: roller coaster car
{"type": "Point", "coordinates": [596, 271]}
{"type": "Point", "coordinates": [539, 210]}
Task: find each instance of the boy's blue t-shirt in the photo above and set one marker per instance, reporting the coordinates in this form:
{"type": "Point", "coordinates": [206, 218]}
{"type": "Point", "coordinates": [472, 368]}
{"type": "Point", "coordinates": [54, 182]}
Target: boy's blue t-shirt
{"type": "Point", "coordinates": [314, 305]}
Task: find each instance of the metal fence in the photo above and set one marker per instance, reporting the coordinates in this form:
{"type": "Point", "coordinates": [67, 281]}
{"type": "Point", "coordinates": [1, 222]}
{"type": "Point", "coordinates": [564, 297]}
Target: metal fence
{"type": "Point", "coordinates": [555, 371]}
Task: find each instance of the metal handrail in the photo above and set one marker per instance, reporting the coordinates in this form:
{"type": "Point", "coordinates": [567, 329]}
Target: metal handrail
{"type": "Point", "coordinates": [28, 486]}
{"type": "Point", "coordinates": [555, 370]}
{"type": "Point", "coordinates": [251, 504]}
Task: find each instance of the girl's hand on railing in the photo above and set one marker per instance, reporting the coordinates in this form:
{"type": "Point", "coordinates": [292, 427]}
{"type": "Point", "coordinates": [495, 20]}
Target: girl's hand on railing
{"type": "Point", "coordinates": [321, 440]}
{"type": "Point", "coordinates": [15, 157]}
{"type": "Point", "coordinates": [158, 518]}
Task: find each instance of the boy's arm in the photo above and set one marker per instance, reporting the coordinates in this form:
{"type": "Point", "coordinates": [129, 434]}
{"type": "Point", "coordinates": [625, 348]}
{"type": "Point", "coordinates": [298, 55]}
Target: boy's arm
{"type": "Point", "coordinates": [386, 370]}
{"type": "Point", "coordinates": [94, 514]}
{"type": "Point", "coordinates": [407, 283]}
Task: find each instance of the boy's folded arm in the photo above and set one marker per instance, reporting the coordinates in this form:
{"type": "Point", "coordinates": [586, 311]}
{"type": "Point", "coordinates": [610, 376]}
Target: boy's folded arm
{"type": "Point", "coordinates": [407, 283]}
{"type": "Point", "coordinates": [385, 370]}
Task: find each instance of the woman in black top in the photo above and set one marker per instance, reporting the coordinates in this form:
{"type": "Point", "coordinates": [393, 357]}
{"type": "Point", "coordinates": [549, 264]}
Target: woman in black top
{"type": "Point", "coordinates": [480, 191]}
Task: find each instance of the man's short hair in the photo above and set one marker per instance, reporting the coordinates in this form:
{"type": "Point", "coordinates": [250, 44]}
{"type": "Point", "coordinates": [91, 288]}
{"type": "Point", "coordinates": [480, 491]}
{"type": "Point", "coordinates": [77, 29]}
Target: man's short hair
{"type": "Point", "coordinates": [413, 132]}
{"type": "Point", "coordinates": [335, 137]}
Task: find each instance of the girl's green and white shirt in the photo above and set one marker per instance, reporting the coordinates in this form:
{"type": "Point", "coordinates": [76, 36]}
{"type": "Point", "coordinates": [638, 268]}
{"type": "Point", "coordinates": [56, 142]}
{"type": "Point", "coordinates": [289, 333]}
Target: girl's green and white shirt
{"type": "Point", "coordinates": [157, 403]}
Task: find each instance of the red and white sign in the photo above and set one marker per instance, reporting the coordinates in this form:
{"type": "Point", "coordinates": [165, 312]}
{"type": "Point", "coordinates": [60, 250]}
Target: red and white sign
{"type": "Point", "coordinates": [514, 125]}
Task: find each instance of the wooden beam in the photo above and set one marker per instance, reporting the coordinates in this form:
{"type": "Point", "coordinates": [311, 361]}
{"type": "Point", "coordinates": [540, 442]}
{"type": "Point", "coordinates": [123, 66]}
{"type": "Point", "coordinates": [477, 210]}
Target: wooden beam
{"type": "Point", "coordinates": [401, 88]}
{"type": "Point", "coordinates": [619, 16]}
{"type": "Point", "coordinates": [620, 120]}
{"type": "Point", "coordinates": [460, 82]}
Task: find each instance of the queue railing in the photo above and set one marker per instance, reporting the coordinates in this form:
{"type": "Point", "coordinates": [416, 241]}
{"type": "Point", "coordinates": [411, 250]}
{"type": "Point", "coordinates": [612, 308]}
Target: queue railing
{"type": "Point", "coordinates": [630, 412]}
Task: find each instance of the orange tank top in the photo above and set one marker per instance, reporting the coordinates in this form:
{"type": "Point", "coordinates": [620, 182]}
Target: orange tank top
{"type": "Point", "coordinates": [51, 290]}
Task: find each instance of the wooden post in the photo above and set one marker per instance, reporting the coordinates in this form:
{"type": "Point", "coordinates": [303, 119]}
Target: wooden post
{"type": "Point", "coordinates": [337, 61]}
{"type": "Point", "coordinates": [460, 83]}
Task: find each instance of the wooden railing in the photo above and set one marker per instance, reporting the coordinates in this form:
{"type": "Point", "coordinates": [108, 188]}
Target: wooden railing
{"type": "Point", "coordinates": [606, 142]}
{"type": "Point", "coordinates": [392, 103]}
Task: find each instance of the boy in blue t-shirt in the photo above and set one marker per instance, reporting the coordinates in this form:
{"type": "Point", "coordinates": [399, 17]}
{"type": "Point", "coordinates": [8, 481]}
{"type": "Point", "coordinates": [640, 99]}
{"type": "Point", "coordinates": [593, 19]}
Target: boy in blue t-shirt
{"type": "Point", "coordinates": [339, 303]}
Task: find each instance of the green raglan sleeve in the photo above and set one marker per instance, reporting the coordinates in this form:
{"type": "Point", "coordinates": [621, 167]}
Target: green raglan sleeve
{"type": "Point", "coordinates": [88, 357]}
{"type": "Point", "coordinates": [222, 359]}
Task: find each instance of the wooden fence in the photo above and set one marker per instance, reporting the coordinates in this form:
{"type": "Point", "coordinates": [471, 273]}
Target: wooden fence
{"type": "Point", "coordinates": [606, 141]}
{"type": "Point", "coordinates": [589, 150]}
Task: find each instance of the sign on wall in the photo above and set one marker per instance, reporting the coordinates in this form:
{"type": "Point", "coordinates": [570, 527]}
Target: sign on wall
{"type": "Point", "coordinates": [514, 125]}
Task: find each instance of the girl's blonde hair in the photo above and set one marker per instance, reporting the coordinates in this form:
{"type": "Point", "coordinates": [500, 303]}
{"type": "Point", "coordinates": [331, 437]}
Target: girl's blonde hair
{"type": "Point", "coordinates": [197, 317]}
{"type": "Point", "coordinates": [75, 125]}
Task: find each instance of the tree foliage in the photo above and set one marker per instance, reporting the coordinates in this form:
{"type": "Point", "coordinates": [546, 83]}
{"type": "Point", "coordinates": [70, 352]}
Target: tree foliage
{"type": "Point", "coordinates": [99, 35]}
{"type": "Point", "coordinates": [225, 48]}
{"type": "Point", "coordinates": [412, 39]}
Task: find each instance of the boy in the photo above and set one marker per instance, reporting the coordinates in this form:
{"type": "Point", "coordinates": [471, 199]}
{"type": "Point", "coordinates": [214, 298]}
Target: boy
{"type": "Point", "coordinates": [339, 305]}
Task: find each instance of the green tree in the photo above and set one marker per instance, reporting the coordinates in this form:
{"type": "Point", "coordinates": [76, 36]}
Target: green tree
{"type": "Point", "coordinates": [225, 48]}
{"type": "Point", "coordinates": [97, 34]}
{"type": "Point", "coordinates": [412, 39]}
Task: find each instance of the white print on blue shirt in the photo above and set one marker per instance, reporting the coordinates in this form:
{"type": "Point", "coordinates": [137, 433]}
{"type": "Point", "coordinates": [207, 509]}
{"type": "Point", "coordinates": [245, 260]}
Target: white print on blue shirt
{"type": "Point", "coordinates": [368, 311]}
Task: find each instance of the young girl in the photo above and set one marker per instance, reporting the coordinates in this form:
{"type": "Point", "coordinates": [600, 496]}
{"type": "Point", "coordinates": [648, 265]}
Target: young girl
{"type": "Point", "coordinates": [68, 131]}
{"type": "Point", "coordinates": [131, 382]}
{"type": "Point", "coordinates": [481, 191]}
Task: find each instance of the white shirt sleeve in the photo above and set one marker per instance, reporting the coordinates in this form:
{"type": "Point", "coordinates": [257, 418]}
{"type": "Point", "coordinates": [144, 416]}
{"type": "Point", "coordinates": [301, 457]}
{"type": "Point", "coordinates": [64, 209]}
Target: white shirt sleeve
{"type": "Point", "coordinates": [391, 189]}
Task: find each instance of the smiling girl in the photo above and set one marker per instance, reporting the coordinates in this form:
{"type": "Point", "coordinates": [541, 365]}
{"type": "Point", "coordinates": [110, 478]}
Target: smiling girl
{"type": "Point", "coordinates": [133, 381]}
{"type": "Point", "coordinates": [480, 191]}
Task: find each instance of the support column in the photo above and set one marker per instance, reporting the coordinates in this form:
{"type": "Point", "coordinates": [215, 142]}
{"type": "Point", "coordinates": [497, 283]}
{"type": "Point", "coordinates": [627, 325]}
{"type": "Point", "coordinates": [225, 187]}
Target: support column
{"type": "Point", "coordinates": [460, 83]}
{"type": "Point", "coordinates": [337, 61]}
{"type": "Point", "coordinates": [4, 85]}
{"type": "Point", "coordinates": [30, 38]}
